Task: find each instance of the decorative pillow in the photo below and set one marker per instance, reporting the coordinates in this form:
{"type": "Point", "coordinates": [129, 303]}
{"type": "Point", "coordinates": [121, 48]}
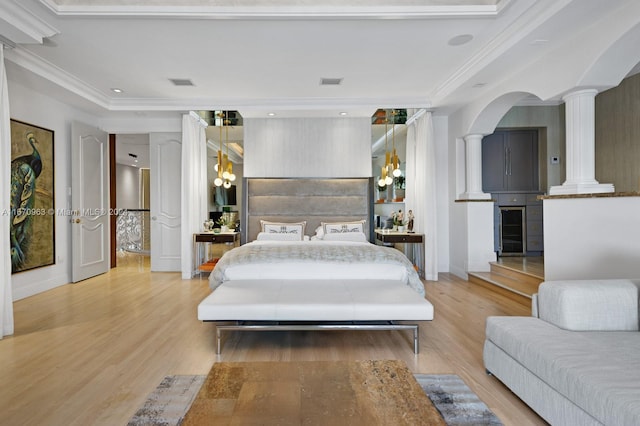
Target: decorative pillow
{"type": "Point", "coordinates": [319, 232]}
{"type": "Point", "coordinates": [276, 236]}
{"type": "Point", "coordinates": [284, 228]}
{"type": "Point", "coordinates": [342, 227]}
{"type": "Point", "coordinates": [357, 237]}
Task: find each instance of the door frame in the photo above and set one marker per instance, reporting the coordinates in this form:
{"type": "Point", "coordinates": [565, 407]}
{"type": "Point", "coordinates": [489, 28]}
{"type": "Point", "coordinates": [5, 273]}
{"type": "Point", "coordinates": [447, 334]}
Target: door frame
{"type": "Point", "coordinates": [113, 219]}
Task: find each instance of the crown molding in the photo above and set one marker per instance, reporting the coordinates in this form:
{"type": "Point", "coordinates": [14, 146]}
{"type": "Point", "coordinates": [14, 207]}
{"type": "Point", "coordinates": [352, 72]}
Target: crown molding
{"type": "Point", "coordinates": [31, 62]}
{"type": "Point", "coordinates": [24, 26]}
{"type": "Point", "coordinates": [214, 11]}
{"type": "Point", "coordinates": [250, 107]}
{"type": "Point", "coordinates": [507, 39]}
{"type": "Point", "coordinates": [256, 107]}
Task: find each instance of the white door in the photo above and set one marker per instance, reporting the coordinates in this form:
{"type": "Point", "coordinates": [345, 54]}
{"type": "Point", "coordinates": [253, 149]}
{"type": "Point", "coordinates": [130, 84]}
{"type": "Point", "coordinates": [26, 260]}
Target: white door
{"type": "Point", "coordinates": [165, 183]}
{"type": "Point", "coordinates": [90, 239]}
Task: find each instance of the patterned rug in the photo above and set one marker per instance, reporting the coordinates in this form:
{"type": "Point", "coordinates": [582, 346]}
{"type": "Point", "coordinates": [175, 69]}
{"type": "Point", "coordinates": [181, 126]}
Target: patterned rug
{"type": "Point", "coordinates": [458, 405]}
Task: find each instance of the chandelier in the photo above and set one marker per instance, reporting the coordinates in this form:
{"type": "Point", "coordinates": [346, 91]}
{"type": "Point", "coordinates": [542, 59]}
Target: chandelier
{"type": "Point", "coordinates": [391, 166]}
{"type": "Point", "coordinates": [224, 166]}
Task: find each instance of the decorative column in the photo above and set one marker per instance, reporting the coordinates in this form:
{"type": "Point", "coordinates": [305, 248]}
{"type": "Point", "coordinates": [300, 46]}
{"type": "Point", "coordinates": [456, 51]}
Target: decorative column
{"type": "Point", "coordinates": [581, 149]}
{"type": "Point", "coordinates": [473, 156]}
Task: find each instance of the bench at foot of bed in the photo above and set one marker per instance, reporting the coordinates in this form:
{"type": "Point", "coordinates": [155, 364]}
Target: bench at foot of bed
{"type": "Point", "coordinates": [340, 304]}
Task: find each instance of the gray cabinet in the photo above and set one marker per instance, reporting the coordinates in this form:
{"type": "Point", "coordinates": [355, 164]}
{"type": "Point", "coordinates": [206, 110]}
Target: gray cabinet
{"type": "Point", "coordinates": [510, 161]}
{"type": "Point", "coordinates": [531, 231]}
{"type": "Point", "coordinates": [535, 240]}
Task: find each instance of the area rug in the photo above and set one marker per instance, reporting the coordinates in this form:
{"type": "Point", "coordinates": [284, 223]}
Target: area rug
{"type": "Point", "coordinates": [458, 405]}
{"type": "Point", "coordinates": [167, 405]}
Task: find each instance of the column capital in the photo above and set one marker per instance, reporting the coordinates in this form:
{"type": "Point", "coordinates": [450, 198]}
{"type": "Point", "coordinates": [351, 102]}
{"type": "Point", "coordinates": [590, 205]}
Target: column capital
{"type": "Point", "coordinates": [582, 92]}
{"type": "Point", "coordinates": [473, 137]}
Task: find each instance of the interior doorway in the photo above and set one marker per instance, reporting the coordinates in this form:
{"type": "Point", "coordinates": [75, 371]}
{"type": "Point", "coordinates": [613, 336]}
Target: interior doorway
{"type": "Point", "coordinates": [129, 195]}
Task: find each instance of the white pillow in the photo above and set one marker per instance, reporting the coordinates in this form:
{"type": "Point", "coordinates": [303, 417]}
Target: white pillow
{"type": "Point", "coordinates": [284, 228]}
{"type": "Point", "coordinates": [357, 237]}
{"type": "Point", "coordinates": [343, 227]}
{"type": "Point", "coordinates": [277, 236]}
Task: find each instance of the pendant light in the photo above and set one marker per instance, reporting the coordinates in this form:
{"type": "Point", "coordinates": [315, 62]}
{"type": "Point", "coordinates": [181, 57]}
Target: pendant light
{"type": "Point", "coordinates": [388, 166]}
{"type": "Point", "coordinates": [224, 167]}
{"type": "Point", "coordinates": [396, 162]}
{"type": "Point", "coordinates": [227, 174]}
{"type": "Point", "coordinates": [218, 180]}
{"type": "Point", "coordinates": [382, 182]}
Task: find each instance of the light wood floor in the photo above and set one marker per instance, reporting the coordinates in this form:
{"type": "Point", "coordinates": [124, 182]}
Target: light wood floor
{"type": "Point", "coordinates": [533, 265]}
{"type": "Point", "coordinates": [89, 353]}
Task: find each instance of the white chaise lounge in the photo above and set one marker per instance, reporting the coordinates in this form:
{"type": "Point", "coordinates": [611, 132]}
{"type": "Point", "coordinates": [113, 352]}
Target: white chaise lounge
{"type": "Point", "coordinates": [315, 305]}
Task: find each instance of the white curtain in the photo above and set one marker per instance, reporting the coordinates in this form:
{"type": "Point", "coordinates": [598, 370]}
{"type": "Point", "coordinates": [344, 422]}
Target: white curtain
{"type": "Point", "coordinates": [6, 296]}
{"type": "Point", "coordinates": [194, 207]}
{"type": "Point", "coordinates": [420, 195]}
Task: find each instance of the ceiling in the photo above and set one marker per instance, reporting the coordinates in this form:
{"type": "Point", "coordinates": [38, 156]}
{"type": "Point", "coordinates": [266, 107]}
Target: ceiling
{"type": "Point", "coordinates": [262, 56]}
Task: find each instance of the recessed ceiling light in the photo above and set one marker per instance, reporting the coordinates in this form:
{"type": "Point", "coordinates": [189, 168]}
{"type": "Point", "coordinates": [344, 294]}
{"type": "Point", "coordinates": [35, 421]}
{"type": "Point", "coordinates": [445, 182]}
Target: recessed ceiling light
{"type": "Point", "coordinates": [343, 113]}
{"type": "Point", "coordinates": [460, 40]}
{"type": "Point", "coordinates": [116, 90]}
{"type": "Point", "coordinates": [271, 114]}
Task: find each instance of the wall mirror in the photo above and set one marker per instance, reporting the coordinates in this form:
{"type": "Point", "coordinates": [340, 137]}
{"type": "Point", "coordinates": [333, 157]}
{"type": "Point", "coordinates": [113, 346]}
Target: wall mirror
{"type": "Point", "coordinates": [389, 135]}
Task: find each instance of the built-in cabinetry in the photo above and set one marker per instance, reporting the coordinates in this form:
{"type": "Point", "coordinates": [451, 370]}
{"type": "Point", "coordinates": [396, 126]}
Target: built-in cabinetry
{"type": "Point", "coordinates": [517, 223]}
{"type": "Point", "coordinates": [510, 161]}
{"type": "Point", "coordinates": [510, 174]}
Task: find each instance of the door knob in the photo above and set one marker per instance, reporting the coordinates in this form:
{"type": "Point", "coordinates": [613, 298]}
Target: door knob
{"type": "Point", "coordinates": [154, 218]}
{"type": "Point", "coordinates": [77, 221]}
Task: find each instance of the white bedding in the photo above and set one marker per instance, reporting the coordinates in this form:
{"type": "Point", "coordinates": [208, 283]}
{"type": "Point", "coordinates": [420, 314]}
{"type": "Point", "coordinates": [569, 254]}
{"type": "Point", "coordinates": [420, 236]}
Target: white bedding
{"type": "Point", "coordinates": [315, 260]}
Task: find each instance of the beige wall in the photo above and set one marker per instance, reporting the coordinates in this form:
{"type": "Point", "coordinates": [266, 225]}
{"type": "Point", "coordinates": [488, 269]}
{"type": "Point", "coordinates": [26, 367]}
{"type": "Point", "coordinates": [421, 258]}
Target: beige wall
{"type": "Point", "coordinates": [618, 135]}
{"type": "Point", "coordinates": [551, 123]}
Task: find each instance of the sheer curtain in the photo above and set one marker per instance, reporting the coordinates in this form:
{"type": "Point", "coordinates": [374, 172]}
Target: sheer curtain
{"type": "Point", "coordinates": [6, 296]}
{"type": "Point", "coordinates": [420, 195]}
{"type": "Point", "coordinates": [194, 209]}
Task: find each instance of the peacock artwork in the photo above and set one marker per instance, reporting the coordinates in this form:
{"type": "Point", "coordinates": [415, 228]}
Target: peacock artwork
{"type": "Point", "coordinates": [32, 222]}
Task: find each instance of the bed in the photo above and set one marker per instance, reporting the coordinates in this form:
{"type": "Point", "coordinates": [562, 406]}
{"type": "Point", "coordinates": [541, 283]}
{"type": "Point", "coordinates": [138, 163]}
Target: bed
{"type": "Point", "coordinates": [309, 265]}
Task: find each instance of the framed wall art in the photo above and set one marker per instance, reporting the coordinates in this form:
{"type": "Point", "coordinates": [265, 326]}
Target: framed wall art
{"type": "Point", "coordinates": [32, 222]}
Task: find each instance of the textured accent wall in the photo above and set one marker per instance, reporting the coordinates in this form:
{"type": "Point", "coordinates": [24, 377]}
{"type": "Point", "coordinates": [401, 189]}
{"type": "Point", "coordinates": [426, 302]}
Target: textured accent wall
{"type": "Point", "coordinates": [307, 147]}
{"type": "Point", "coordinates": [618, 135]}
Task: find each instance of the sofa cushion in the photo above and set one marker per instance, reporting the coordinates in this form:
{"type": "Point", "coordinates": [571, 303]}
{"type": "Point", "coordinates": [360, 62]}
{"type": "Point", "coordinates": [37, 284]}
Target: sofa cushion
{"type": "Point", "coordinates": [590, 305]}
{"type": "Point", "coordinates": [598, 371]}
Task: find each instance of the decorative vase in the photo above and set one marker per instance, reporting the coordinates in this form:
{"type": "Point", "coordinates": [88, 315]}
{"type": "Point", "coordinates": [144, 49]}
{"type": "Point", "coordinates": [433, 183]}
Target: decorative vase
{"type": "Point", "coordinates": [400, 228]}
{"type": "Point", "coordinates": [224, 228]}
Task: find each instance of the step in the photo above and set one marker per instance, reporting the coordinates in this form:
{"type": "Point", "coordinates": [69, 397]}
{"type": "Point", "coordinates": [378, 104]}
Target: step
{"type": "Point", "coordinates": [518, 272]}
{"type": "Point", "coordinates": [519, 277]}
{"type": "Point", "coordinates": [500, 285]}
{"type": "Point", "coordinates": [520, 281]}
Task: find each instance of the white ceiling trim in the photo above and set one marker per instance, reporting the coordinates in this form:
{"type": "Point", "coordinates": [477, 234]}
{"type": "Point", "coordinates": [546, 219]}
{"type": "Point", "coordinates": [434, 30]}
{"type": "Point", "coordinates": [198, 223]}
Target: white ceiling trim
{"type": "Point", "coordinates": [48, 71]}
{"type": "Point", "coordinates": [514, 33]}
{"type": "Point", "coordinates": [24, 25]}
{"type": "Point", "coordinates": [272, 12]}
{"type": "Point", "coordinates": [251, 106]}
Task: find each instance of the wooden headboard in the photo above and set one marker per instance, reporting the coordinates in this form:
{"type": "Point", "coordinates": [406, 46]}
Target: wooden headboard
{"type": "Point", "coordinates": [309, 199]}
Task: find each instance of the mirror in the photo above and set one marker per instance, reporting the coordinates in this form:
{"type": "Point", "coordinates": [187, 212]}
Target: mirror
{"type": "Point", "coordinates": [388, 131]}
